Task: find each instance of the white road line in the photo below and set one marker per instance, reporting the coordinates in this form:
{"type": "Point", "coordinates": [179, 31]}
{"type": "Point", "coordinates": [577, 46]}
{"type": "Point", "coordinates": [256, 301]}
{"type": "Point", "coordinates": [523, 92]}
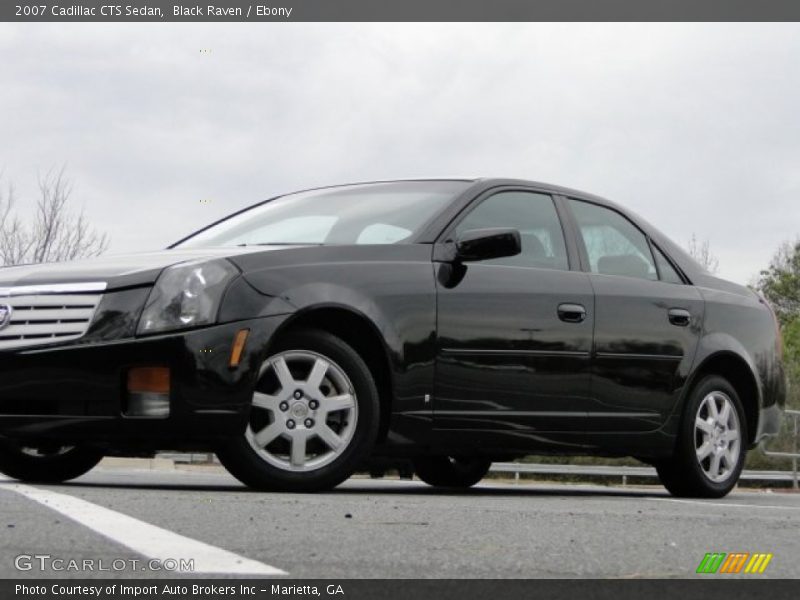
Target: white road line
{"type": "Point", "coordinates": [723, 504]}
{"type": "Point", "coordinates": [145, 539]}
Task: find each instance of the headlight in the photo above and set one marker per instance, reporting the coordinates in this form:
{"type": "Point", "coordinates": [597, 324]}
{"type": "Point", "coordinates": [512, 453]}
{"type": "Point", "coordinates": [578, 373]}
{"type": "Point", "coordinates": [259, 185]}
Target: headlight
{"type": "Point", "coordinates": [186, 295]}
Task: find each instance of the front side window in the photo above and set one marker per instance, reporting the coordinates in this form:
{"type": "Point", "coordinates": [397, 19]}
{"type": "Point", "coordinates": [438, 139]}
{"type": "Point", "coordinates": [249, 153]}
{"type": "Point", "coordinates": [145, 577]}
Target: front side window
{"type": "Point", "coordinates": [375, 213]}
{"type": "Point", "coordinates": [614, 245]}
{"type": "Point", "coordinates": [534, 216]}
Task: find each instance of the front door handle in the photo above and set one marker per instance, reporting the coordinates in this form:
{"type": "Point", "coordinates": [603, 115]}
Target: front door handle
{"type": "Point", "coordinates": [679, 316]}
{"type": "Point", "coordinates": [571, 313]}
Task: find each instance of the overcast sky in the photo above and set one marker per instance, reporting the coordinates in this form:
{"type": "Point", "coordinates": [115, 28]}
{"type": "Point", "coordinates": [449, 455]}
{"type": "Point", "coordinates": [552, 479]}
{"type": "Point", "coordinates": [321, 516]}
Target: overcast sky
{"type": "Point", "coordinates": [695, 127]}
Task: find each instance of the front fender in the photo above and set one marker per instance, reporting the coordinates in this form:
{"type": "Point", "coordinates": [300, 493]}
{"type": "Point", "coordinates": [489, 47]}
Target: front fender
{"type": "Point", "coordinates": [394, 295]}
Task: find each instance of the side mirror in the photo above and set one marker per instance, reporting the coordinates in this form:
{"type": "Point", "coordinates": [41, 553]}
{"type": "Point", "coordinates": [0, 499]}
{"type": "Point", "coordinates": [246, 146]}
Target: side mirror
{"type": "Point", "coordinates": [485, 244]}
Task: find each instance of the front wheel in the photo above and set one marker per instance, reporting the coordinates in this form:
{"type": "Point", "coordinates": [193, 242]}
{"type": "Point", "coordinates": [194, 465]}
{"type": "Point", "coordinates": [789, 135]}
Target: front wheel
{"type": "Point", "coordinates": [711, 445]}
{"type": "Point", "coordinates": [314, 417]}
{"type": "Point", "coordinates": [450, 472]}
{"type": "Point", "coordinates": [46, 464]}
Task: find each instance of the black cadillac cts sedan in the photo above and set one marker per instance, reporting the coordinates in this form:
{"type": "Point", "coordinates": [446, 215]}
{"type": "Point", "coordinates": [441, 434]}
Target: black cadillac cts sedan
{"type": "Point", "coordinates": [449, 323]}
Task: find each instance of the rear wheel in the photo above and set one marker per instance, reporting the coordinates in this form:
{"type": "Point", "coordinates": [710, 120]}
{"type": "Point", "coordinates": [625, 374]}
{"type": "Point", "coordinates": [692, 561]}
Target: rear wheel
{"type": "Point", "coordinates": [314, 417]}
{"type": "Point", "coordinates": [451, 472]}
{"type": "Point", "coordinates": [711, 445]}
{"type": "Point", "coordinates": [46, 464]}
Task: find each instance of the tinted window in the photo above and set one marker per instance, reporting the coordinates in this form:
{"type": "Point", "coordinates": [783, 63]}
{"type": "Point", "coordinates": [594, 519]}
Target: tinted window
{"type": "Point", "coordinates": [381, 233]}
{"type": "Point", "coordinates": [665, 269]}
{"type": "Point", "coordinates": [615, 245]}
{"type": "Point", "coordinates": [375, 213]}
{"type": "Point", "coordinates": [311, 229]}
{"type": "Point", "coordinates": [534, 215]}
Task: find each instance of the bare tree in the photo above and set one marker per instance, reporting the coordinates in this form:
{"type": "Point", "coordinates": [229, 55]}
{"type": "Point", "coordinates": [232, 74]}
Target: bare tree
{"type": "Point", "coordinates": [701, 252]}
{"type": "Point", "coordinates": [56, 233]}
{"type": "Point", "coordinates": [15, 243]}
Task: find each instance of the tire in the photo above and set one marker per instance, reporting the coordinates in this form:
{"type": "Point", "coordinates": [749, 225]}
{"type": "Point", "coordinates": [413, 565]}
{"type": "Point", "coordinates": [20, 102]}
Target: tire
{"type": "Point", "coordinates": [297, 438]}
{"type": "Point", "coordinates": [449, 472]}
{"type": "Point", "coordinates": [42, 465]}
{"type": "Point", "coordinates": [721, 438]}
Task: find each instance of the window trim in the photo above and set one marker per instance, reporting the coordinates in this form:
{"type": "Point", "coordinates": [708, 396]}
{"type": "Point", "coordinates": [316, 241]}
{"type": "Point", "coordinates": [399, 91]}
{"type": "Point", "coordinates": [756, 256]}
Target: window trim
{"type": "Point", "coordinates": [445, 239]}
{"type": "Point", "coordinates": [681, 275]}
{"type": "Point", "coordinates": [584, 254]}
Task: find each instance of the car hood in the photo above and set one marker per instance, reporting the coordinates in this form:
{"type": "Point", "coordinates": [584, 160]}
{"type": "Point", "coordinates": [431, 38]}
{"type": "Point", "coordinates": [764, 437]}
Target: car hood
{"type": "Point", "coordinates": [117, 271]}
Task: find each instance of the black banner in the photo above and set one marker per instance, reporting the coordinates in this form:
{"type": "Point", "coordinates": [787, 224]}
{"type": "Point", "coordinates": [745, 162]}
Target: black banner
{"type": "Point", "coordinates": [713, 588]}
{"type": "Point", "coordinates": [404, 10]}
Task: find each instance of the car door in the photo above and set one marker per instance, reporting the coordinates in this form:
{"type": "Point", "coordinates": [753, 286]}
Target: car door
{"type": "Point", "coordinates": [647, 321]}
{"type": "Point", "coordinates": [514, 334]}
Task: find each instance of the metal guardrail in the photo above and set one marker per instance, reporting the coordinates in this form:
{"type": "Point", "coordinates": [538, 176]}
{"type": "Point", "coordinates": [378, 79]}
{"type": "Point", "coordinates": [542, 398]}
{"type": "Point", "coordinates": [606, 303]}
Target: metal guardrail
{"type": "Point", "coordinates": [190, 457]}
{"type": "Point", "coordinates": [650, 473]}
{"type": "Point", "coordinates": [618, 471]}
{"type": "Point", "coordinates": [795, 453]}
{"type": "Point", "coordinates": [609, 471]}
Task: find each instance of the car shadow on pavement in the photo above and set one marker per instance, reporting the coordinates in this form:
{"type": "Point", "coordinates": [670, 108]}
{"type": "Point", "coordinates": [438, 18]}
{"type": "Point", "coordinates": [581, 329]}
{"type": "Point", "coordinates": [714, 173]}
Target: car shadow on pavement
{"type": "Point", "coordinates": [359, 487]}
{"type": "Point", "coordinates": [482, 490]}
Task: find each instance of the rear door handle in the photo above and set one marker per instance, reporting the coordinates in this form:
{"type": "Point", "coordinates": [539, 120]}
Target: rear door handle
{"type": "Point", "coordinates": [571, 313]}
{"type": "Point", "coordinates": [679, 316]}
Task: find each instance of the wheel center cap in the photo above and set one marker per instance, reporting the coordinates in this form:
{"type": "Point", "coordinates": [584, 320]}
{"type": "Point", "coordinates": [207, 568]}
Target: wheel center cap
{"type": "Point", "coordinates": [299, 410]}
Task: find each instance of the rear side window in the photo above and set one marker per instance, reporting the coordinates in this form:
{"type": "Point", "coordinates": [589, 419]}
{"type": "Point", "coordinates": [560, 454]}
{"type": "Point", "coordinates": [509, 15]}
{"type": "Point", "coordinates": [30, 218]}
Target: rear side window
{"type": "Point", "coordinates": [534, 216]}
{"type": "Point", "coordinates": [614, 245]}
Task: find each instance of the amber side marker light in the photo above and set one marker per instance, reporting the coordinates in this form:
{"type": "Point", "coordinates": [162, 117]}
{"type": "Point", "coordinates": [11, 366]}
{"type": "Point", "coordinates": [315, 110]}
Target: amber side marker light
{"type": "Point", "coordinates": [238, 347]}
{"type": "Point", "coordinates": [148, 392]}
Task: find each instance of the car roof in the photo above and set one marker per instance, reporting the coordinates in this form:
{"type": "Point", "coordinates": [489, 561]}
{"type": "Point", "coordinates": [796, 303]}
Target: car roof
{"type": "Point", "coordinates": [559, 189]}
{"type": "Point", "coordinates": [484, 181]}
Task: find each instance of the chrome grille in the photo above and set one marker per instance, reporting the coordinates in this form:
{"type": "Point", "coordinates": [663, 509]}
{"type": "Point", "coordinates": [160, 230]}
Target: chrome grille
{"type": "Point", "coordinates": [43, 314]}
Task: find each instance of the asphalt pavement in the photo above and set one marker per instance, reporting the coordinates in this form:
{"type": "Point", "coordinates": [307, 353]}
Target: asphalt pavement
{"type": "Point", "coordinates": [119, 520]}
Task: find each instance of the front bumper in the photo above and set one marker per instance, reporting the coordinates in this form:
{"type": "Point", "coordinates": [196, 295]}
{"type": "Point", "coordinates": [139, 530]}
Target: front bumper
{"type": "Point", "coordinates": [76, 393]}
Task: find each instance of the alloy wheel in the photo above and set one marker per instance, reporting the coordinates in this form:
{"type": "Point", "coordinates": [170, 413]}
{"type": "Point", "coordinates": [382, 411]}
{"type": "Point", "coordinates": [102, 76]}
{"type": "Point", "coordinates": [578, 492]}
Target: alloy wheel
{"type": "Point", "coordinates": [717, 436]}
{"type": "Point", "coordinates": [304, 411]}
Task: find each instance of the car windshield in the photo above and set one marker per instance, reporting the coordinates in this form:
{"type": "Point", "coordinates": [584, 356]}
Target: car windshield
{"type": "Point", "coordinates": [375, 213]}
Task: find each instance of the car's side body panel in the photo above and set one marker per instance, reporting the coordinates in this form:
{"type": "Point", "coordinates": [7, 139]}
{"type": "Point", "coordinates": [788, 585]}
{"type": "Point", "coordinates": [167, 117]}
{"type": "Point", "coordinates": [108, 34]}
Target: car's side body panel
{"type": "Point", "coordinates": [505, 360]}
{"type": "Point", "coordinates": [640, 358]}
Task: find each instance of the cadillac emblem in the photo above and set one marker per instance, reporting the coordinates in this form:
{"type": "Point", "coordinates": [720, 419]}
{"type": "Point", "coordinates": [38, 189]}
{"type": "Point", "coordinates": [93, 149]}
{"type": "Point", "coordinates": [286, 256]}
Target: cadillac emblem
{"type": "Point", "coordinates": [5, 315]}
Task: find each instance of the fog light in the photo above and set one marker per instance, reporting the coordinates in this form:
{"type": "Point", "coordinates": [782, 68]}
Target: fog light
{"type": "Point", "coordinates": [148, 392]}
{"type": "Point", "coordinates": [147, 404]}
